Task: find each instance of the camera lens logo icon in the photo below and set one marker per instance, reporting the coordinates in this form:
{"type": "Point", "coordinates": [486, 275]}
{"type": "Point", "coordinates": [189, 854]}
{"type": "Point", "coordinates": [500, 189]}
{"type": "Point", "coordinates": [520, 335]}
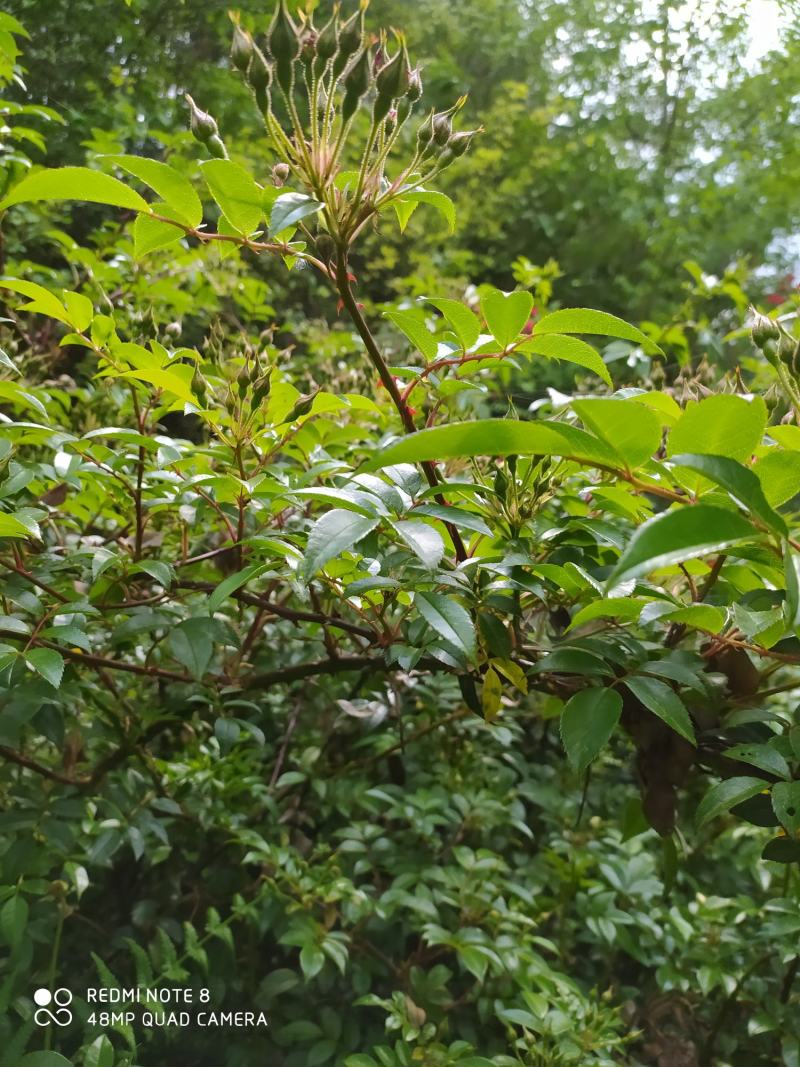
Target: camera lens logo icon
{"type": "Point", "coordinates": [60, 1015]}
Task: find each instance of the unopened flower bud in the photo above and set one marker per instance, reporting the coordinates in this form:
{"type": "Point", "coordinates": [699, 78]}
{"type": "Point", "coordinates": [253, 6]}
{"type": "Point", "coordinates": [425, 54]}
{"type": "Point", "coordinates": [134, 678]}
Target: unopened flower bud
{"type": "Point", "coordinates": [764, 329]}
{"type": "Point", "coordinates": [284, 45]}
{"type": "Point", "coordinates": [356, 83]}
{"type": "Point", "coordinates": [243, 381]}
{"type": "Point", "coordinates": [259, 74]}
{"type": "Point", "coordinates": [442, 127]}
{"type": "Point", "coordinates": [202, 125]}
{"type": "Point", "coordinates": [216, 147]}
{"type": "Point", "coordinates": [308, 46]}
{"type": "Point", "coordinates": [325, 246]}
{"type": "Point", "coordinates": [280, 172]}
{"type": "Point", "coordinates": [241, 48]}
{"type": "Point", "coordinates": [198, 384]}
{"type": "Point", "coordinates": [460, 142]}
{"type": "Point", "coordinates": [350, 36]}
{"type": "Point", "coordinates": [302, 407]}
{"type": "Point", "coordinates": [414, 85]}
{"type": "Point", "coordinates": [261, 388]}
{"type": "Point", "coordinates": [425, 134]}
{"type": "Point", "coordinates": [326, 41]}
{"type": "Point", "coordinates": [391, 121]}
{"type": "Point", "coordinates": [393, 78]}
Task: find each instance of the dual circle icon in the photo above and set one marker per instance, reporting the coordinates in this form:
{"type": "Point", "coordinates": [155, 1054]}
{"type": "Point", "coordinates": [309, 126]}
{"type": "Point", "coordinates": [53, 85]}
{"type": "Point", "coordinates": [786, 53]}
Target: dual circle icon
{"type": "Point", "coordinates": [59, 1014]}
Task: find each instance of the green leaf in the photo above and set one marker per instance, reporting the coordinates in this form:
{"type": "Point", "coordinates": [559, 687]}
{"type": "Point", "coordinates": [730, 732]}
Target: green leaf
{"type": "Point", "coordinates": [664, 702]}
{"type": "Point", "coordinates": [765, 757]}
{"type": "Point", "coordinates": [74, 183]}
{"type": "Point", "coordinates": [610, 608]}
{"type": "Point", "coordinates": [464, 520]}
{"type": "Point", "coordinates": [150, 234]}
{"type": "Point", "coordinates": [632, 430]}
{"type": "Point", "coordinates": [779, 474]}
{"type": "Point", "coordinates": [506, 314]}
{"type": "Point", "coordinates": [100, 1053]}
{"type": "Point", "coordinates": [685, 532]}
{"type": "Point", "coordinates": [412, 323]}
{"type": "Point", "coordinates": [43, 1059]}
{"type": "Point", "coordinates": [585, 320]}
{"type": "Point", "coordinates": [11, 527]}
{"type": "Point", "coordinates": [740, 482]}
{"type": "Point", "coordinates": [423, 540]}
{"type": "Point", "coordinates": [497, 437]}
{"type": "Point", "coordinates": [42, 300]}
{"type": "Point", "coordinates": [448, 619]}
{"type": "Point", "coordinates": [491, 694]}
{"type": "Point", "coordinates": [407, 201]}
{"type": "Point", "coordinates": [312, 960]}
{"type": "Point", "coordinates": [726, 795]}
{"type": "Point", "coordinates": [6, 361]}
{"type": "Point", "coordinates": [48, 663]}
{"type": "Point", "coordinates": [162, 571]}
{"type": "Point", "coordinates": [289, 209]}
{"type": "Point", "coordinates": [232, 583]}
{"type": "Point", "coordinates": [460, 318]}
{"type": "Point", "coordinates": [14, 919]}
{"type": "Point", "coordinates": [191, 644]}
{"type": "Point", "coordinates": [791, 570]}
{"type": "Point", "coordinates": [786, 805]}
{"type": "Point", "coordinates": [331, 534]}
{"type": "Point", "coordinates": [176, 380]}
{"type": "Point", "coordinates": [173, 188]}
{"type": "Point", "coordinates": [723, 425]}
{"type": "Point", "coordinates": [79, 310]}
{"type": "Point", "coordinates": [236, 192]}
{"type": "Point", "coordinates": [703, 616]}
{"type": "Point", "coordinates": [11, 25]}
{"type": "Point", "coordinates": [570, 349]}
{"type": "Point", "coordinates": [227, 732]}
{"type": "Point", "coordinates": [587, 722]}
{"type": "Point", "coordinates": [574, 661]}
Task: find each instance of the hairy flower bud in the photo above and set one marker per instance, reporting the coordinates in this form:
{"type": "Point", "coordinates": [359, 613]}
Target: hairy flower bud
{"type": "Point", "coordinates": [302, 407]}
{"type": "Point", "coordinates": [351, 35]}
{"type": "Point", "coordinates": [280, 172]}
{"type": "Point", "coordinates": [241, 48]}
{"type": "Point", "coordinates": [391, 84]}
{"type": "Point", "coordinates": [356, 83]}
{"type": "Point", "coordinates": [243, 381]}
{"type": "Point", "coordinates": [199, 385]}
{"type": "Point", "coordinates": [283, 41]}
{"type": "Point", "coordinates": [414, 85]}
{"type": "Point", "coordinates": [442, 128]}
{"type": "Point", "coordinates": [216, 147]}
{"type": "Point", "coordinates": [393, 77]}
{"type": "Point", "coordinates": [327, 41]}
{"type": "Point", "coordinates": [460, 142]}
{"type": "Point", "coordinates": [425, 134]}
{"type": "Point", "coordinates": [325, 246]}
{"type": "Point", "coordinates": [259, 74]}
{"type": "Point", "coordinates": [763, 329]}
{"type": "Point", "coordinates": [261, 388]}
{"type": "Point", "coordinates": [202, 125]}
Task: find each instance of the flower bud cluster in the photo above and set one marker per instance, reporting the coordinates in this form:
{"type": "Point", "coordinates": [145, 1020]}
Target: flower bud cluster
{"type": "Point", "coordinates": [311, 84]}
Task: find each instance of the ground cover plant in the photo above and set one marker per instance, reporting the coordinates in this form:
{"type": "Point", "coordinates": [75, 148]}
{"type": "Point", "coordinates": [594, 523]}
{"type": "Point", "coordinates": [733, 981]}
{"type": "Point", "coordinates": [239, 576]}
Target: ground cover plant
{"type": "Point", "coordinates": [339, 686]}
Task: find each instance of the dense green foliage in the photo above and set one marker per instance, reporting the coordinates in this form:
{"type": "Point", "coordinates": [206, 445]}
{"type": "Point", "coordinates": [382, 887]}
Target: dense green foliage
{"type": "Point", "coordinates": [408, 660]}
